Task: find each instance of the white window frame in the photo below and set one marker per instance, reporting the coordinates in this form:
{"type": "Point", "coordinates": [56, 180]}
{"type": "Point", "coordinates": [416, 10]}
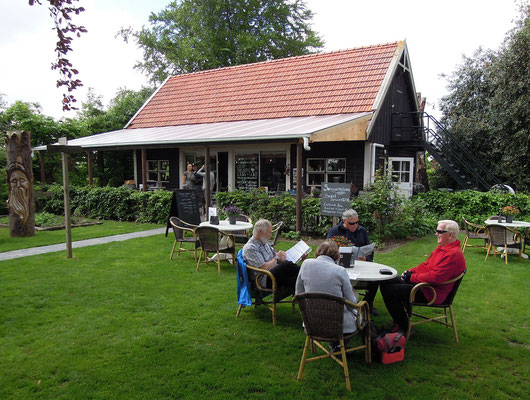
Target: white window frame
{"type": "Point", "coordinates": [326, 171]}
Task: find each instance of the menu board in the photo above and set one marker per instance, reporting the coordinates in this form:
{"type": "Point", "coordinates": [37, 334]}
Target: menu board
{"type": "Point", "coordinates": [334, 198]}
{"type": "Point", "coordinates": [185, 206]}
{"type": "Point", "coordinates": [247, 171]}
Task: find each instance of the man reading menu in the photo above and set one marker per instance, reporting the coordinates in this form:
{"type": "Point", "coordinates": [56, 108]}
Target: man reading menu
{"type": "Point", "coordinates": [257, 252]}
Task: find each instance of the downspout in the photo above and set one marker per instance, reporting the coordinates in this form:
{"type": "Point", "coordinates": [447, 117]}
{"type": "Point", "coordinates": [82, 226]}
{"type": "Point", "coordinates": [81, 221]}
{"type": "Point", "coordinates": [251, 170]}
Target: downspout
{"type": "Point", "coordinates": [372, 172]}
{"type": "Point", "coordinates": [306, 144]}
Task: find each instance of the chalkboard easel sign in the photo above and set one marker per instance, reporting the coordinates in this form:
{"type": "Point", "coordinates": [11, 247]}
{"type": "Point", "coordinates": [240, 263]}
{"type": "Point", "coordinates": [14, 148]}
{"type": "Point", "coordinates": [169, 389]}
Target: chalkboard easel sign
{"type": "Point", "coordinates": [185, 206]}
{"type": "Point", "coordinates": [334, 198]}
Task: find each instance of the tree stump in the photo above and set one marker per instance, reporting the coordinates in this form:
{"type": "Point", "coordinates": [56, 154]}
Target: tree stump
{"type": "Point", "coordinates": [20, 203]}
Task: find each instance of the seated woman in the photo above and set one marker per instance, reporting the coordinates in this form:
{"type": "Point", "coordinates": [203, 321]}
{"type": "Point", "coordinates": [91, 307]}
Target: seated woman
{"type": "Point", "coordinates": [322, 274]}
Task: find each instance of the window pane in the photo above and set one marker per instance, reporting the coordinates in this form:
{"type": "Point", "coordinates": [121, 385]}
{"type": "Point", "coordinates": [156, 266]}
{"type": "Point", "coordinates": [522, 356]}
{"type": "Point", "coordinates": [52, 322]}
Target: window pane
{"type": "Point", "coordinates": [316, 164]}
{"type": "Point", "coordinates": [164, 165]}
{"type": "Point", "coordinates": [405, 177]}
{"type": "Point", "coordinates": [152, 176]}
{"type": "Point", "coordinates": [336, 164]}
{"type": "Point", "coordinates": [272, 166]}
{"type": "Point", "coordinates": [395, 166]}
{"type": "Point", "coordinates": [152, 165]}
{"type": "Point", "coordinates": [336, 178]}
{"type": "Point", "coordinates": [405, 166]}
{"type": "Point", "coordinates": [164, 176]}
{"type": "Point", "coordinates": [315, 179]}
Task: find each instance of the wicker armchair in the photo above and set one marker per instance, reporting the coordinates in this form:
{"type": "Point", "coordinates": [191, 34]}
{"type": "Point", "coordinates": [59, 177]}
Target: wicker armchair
{"type": "Point", "coordinates": [275, 233]}
{"type": "Point", "coordinates": [241, 237]}
{"type": "Point", "coordinates": [323, 316]}
{"type": "Point", "coordinates": [184, 233]}
{"type": "Point", "coordinates": [501, 236]}
{"type": "Point", "coordinates": [259, 294]}
{"type": "Point", "coordinates": [210, 240]}
{"type": "Point", "coordinates": [446, 305]}
{"type": "Point", "coordinates": [474, 231]}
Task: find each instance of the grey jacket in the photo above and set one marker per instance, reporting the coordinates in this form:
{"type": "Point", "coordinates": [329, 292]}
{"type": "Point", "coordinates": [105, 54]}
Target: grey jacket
{"type": "Point", "coordinates": [321, 274]}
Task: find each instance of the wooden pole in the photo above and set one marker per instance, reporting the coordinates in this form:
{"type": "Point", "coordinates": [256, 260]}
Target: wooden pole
{"type": "Point", "coordinates": [207, 187]}
{"type": "Point", "coordinates": [90, 166]}
{"type": "Point", "coordinates": [144, 170]}
{"type": "Point", "coordinates": [42, 167]}
{"type": "Point", "coordinates": [299, 187]}
{"type": "Point", "coordinates": [66, 190]}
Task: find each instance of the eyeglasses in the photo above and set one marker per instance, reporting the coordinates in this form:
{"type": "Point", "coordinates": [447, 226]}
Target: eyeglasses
{"type": "Point", "coordinates": [352, 223]}
{"type": "Point", "coordinates": [439, 232]}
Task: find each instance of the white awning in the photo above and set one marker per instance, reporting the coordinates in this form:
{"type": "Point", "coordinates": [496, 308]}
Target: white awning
{"type": "Point", "coordinates": [238, 131]}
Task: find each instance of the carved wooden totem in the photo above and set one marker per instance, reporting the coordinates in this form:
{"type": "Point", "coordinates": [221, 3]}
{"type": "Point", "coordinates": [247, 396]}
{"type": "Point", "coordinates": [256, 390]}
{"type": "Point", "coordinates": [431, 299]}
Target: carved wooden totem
{"type": "Point", "coordinates": [20, 179]}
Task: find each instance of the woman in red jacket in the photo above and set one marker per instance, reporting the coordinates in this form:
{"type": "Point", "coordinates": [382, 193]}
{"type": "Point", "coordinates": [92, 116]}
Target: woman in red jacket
{"type": "Point", "coordinates": [444, 263]}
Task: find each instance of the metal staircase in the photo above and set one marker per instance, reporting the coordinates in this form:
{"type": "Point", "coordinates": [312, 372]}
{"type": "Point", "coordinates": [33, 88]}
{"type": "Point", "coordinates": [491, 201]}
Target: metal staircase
{"type": "Point", "coordinates": [456, 159]}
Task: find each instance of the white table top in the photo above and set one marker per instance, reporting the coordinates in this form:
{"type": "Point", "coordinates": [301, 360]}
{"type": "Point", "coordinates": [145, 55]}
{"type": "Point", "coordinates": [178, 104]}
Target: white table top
{"type": "Point", "coordinates": [514, 224]}
{"type": "Point", "coordinates": [369, 272]}
{"type": "Point", "coordinates": [225, 226]}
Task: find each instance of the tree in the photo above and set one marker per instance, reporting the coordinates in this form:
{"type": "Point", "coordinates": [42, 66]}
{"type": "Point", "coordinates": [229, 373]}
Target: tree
{"type": "Point", "coordinates": [487, 108]}
{"type": "Point", "coordinates": [61, 12]}
{"type": "Point", "coordinates": [194, 35]}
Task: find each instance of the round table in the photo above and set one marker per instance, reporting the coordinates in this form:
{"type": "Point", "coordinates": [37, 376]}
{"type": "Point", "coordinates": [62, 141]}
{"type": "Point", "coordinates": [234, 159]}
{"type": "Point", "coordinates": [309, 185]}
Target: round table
{"type": "Point", "coordinates": [226, 226]}
{"type": "Point", "coordinates": [366, 271]}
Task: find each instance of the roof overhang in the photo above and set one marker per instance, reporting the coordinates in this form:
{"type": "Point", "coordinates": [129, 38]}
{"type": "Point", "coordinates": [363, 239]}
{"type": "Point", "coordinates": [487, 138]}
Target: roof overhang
{"type": "Point", "coordinates": [317, 128]}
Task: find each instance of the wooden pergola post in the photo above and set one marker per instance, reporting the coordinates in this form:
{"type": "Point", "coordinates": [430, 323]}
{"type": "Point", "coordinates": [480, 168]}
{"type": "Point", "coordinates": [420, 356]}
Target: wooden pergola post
{"type": "Point", "coordinates": [299, 186]}
{"type": "Point", "coordinates": [64, 149]}
{"type": "Point", "coordinates": [90, 166]}
{"type": "Point", "coordinates": [42, 167]}
{"type": "Point", "coordinates": [144, 170]}
{"type": "Point", "coordinates": [207, 194]}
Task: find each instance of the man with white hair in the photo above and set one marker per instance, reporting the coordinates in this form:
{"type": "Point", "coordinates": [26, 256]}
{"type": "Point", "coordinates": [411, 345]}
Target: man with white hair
{"type": "Point", "coordinates": [259, 253]}
{"type": "Point", "coordinates": [445, 262]}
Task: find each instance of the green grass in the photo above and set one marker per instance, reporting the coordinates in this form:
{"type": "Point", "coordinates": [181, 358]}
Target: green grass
{"type": "Point", "coordinates": [122, 321]}
{"type": "Point", "coordinates": [44, 238]}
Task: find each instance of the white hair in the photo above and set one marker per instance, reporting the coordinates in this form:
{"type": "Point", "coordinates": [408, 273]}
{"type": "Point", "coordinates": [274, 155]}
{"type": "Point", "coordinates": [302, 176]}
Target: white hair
{"type": "Point", "coordinates": [450, 226]}
{"type": "Point", "coordinates": [261, 226]}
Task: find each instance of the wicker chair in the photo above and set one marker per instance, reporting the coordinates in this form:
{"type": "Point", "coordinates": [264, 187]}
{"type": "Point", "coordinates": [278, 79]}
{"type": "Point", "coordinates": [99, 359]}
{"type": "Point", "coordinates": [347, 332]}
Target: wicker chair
{"type": "Point", "coordinates": [241, 237]}
{"type": "Point", "coordinates": [323, 316]}
{"type": "Point", "coordinates": [184, 233]}
{"type": "Point", "coordinates": [258, 293]}
{"type": "Point", "coordinates": [210, 240]}
{"type": "Point", "coordinates": [501, 236]}
{"type": "Point", "coordinates": [275, 233]}
{"type": "Point", "coordinates": [474, 231]}
{"type": "Point", "coordinates": [446, 305]}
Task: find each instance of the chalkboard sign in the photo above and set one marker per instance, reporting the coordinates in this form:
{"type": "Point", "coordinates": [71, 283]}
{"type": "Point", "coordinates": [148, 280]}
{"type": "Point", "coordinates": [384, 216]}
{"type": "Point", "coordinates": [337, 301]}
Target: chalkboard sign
{"type": "Point", "coordinates": [184, 205]}
{"type": "Point", "coordinates": [334, 199]}
{"type": "Point", "coordinates": [247, 171]}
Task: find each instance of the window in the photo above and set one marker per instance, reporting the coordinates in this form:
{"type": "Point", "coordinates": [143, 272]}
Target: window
{"type": "Point", "coordinates": [264, 168]}
{"type": "Point", "coordinates": [157, 171]}
{"type": "Point", "coordinates": [325, 170]}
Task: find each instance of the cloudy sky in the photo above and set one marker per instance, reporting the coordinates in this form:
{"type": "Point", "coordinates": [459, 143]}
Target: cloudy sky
{"type": "Point", "coordinates": [437, 34]}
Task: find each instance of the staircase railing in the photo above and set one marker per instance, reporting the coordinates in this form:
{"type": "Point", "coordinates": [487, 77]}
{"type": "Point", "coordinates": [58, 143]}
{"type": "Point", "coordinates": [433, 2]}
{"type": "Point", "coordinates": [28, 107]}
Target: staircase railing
{"type": "Point", "coordinates": [455, 158]}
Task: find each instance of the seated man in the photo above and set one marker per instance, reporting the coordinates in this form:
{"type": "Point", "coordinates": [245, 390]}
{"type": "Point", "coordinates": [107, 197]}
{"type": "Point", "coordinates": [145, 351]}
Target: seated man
{"type": "Point", "coordinates": [257, 252]}
{"type": "Point", "coordinates": [349, 228]}
{"type": "Point", "coordinates": [444, 263]}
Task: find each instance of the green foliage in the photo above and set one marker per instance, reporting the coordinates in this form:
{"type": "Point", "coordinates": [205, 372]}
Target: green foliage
{"type": "Point", "coordinates": [111, 203]}
{"type": "Point", "coordinates": [487, 108]}
{"type": "Point", "coordinates": [292, 235]}
{"type": "Point", "coordinates": [196, 35]}
{"type": "Point", "coordinates": [474, 206]}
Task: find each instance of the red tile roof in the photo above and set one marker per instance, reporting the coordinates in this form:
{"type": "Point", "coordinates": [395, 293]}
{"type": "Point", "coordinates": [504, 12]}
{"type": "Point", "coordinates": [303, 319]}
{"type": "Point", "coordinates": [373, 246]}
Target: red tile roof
{"type": "Point", "coordinates": [338, 82]}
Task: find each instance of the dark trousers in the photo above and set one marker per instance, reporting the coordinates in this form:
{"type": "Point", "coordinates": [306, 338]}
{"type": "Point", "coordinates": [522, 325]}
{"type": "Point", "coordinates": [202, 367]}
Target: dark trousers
{"type": "Point", "coordinates": [371, 291]}
{"type": "Point", "coordinates": [285, 273]}
{"type": "Point", "coordinates": [396, 297]}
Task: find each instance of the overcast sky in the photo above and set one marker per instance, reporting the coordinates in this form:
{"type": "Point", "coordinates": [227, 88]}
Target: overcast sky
{"type": "Point", "coordinates": [438, 33]}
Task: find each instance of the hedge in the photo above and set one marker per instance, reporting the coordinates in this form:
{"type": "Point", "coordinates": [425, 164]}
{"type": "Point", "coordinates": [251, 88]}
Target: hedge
{"type": "Point", "coordinates": [382, 211]}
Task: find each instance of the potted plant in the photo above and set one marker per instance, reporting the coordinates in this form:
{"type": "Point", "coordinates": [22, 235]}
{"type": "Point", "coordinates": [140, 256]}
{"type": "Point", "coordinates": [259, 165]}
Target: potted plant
{"type": "Point", "coordinates": [509, 212]}
{"type": "Point", "coordinates": [232, 212]}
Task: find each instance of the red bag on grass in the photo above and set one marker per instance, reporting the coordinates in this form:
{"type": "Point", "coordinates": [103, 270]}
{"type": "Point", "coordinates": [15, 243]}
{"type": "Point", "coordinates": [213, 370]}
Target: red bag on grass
{"type": "Point", "coordinates": [392, 347]}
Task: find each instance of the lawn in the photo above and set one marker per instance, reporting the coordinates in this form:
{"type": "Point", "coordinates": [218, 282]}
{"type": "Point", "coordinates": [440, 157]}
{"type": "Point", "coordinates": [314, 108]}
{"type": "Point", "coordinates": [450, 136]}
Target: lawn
{"type": "Point", "coordinates": [44, 238]}
{"type": "Point", "coordinates": [122, 321]}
